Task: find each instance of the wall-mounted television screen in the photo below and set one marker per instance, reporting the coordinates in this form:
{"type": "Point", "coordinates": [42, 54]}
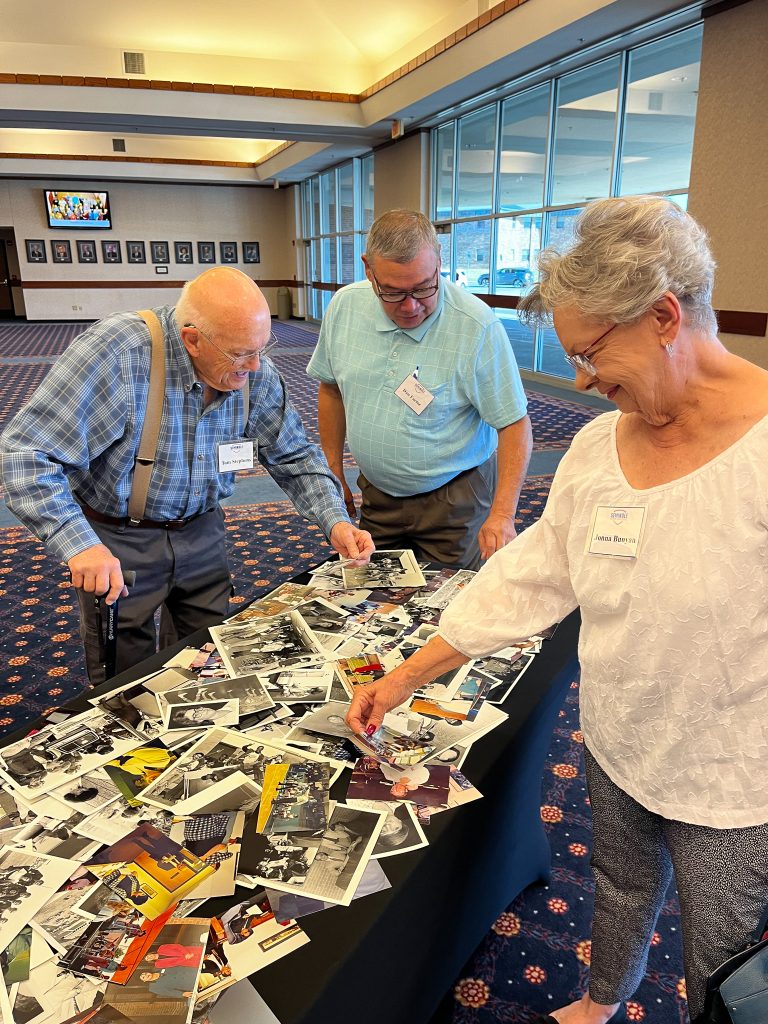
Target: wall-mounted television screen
{"type": "Point", "coordinates": [74, 209]}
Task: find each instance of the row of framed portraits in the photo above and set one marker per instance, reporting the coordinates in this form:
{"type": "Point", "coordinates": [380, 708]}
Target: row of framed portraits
{"type": "Point", "coordinates": [136, 252]}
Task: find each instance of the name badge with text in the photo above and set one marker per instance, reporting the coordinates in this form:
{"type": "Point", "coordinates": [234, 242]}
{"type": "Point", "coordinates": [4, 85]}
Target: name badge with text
{"type": "Point", "coordinates": [234, 455]}
{"type": "Point", "coordinates": [414, 395]}
{"type": "Point", "coordinates": [616, 531]}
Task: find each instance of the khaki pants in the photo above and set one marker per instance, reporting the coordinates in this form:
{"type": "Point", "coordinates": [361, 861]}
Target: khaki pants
{"type": "Point", "coordinates": [185, 571]}
{"type": "Point", "coordinates": [441, 526]}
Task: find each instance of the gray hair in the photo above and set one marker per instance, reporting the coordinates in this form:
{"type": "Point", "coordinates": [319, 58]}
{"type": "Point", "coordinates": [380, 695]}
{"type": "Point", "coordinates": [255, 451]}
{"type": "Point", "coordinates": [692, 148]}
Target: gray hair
{"type": "Point", "coordinates": [624, 255]}
{"type": "Point", "coordinates": [400, 235]}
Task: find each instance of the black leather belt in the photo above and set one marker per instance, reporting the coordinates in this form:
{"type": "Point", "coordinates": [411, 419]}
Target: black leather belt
{"type": "Point", "coordinates": [152, 524]}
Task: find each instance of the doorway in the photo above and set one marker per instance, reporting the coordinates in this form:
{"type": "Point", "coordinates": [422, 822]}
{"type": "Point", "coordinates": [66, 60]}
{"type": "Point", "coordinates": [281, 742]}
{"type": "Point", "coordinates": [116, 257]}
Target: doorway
{"type": "Point", "coordinates": [7, 311]}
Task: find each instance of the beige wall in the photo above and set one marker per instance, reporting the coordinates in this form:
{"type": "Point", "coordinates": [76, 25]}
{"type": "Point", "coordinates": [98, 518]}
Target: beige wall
{"type": "Point", "coordinates": [146, 212]}
{"type": "Point", "coordinates": [401, 175]}
{"type": "Point", "coordinates": [729, 176]}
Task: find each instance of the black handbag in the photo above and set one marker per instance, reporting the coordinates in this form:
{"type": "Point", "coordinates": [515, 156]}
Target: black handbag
{"type": "Point", "coordinates": [737, 992]}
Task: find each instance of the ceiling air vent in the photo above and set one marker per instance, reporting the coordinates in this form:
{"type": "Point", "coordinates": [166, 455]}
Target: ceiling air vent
{"type": "Point", "coordinates": [133, 63]}
{"type": "Point", "coordinates": [118, 145]}
{"type": "Point", "coordinates": [655, 100]}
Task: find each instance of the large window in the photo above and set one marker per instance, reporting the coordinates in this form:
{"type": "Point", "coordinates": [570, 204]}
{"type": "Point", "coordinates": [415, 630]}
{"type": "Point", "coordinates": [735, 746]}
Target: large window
{"type": "Point", "coordinates": [511, 177]}
{"type": "Point", "coordinates": [337, 210]}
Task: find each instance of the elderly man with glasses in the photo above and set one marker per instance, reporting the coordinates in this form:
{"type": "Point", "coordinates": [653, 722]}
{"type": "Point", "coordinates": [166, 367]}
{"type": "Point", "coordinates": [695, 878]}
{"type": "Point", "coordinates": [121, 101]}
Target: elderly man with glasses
{"type": "Point", "coordinates": [420, 378]}
{"type": "Point", "coordinates": [71, 459]}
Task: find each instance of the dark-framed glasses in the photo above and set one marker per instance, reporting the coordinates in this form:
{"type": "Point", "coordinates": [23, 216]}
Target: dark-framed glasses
{"type": "Point", "coordinates": [242, 360]}
{"type": "Point", "coordinates": [390, 295]}
{"type": "Point", "coordinates": [581, 360]}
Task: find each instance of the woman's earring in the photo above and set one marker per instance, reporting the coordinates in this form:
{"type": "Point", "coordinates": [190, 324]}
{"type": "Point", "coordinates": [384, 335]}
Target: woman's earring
{"type": "Point", "coordinates": [669, 348]}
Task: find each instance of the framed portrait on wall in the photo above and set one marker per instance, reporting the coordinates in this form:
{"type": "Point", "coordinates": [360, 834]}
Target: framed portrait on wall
{"type": "Point", "coordinates": [136, 252]}
{"type": "Point", "coordinates": [61, 251]}
{"type": "Point", "coordinates": [35, 250]}
{"type": "Point", "coordinates": [228, 252]}
{"type": "Point", "coordinates": [206, 252]}
{"type": "Point", "coordinates": [251, 252]}
{"type": "Point", "coordinates": [160, 252]}
{"type": "Point", "coordinates": [86, 251]}
{"type": "Point", "coordinates": [183, 252]}
{"type": "Point", "coordinates": [111, 252]}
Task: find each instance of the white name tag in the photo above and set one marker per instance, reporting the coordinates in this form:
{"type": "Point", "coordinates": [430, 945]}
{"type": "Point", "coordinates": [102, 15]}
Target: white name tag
{"type": "Point", "coordinates": [414, 395]}
{"type": "Point", "coordinates": [234, 455]}
{"type": "Point", "coordinates": [616, 531]}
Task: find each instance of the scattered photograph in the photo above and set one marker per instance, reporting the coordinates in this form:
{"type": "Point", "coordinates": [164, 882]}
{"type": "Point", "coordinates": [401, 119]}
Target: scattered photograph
{"type": "Point", "coordinates": [421, 784]}
{"type": "Point", "coordinates": [14, 959]}
{"type": "Point", "coordinates": [401, 831]}
{"type": "Point", "coordinates": [290, 905]}
{"type": "Point", "coordinates": [216, 840]}
{"type": "Point", "coordinates": [249, 690]}
{"type": "Point", "coordinates": [301, 685]}
{"type": "Point", "coordinates": [27, 881]}
{"type": "Point", "coordinates": [160, 252]}
{"type": "Point", "coordinates": [136, 252]}
{"type": "Point", "coordinates": [61, 251]}
{"type": "Point", "coordinates": [294, 800]}
{"type": "Point", "coordinates": [35, 250]}
{"type": "Point", "coordinates": [328, 720]}
{"type": "Point", "coordinates": [86, 251]}
{"type": "Point", "coordinates": [111, 950]}
{"type": "Point", "coordinates": [284, 599]}
{"type": "Point", "coordinates": [206, 252]}
{"type": "Point", "coordinates": [202, 714]}
{"type": "Point", "coordinates": [133, 771]}
{"type": "Point", "coordinates": [260, 645]}
{"type": "Point", "coordinates": [385, 569]}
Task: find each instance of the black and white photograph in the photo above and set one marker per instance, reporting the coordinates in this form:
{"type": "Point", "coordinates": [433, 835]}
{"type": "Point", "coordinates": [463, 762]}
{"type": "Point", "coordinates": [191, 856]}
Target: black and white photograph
{"type": "Point", "coordinates": [385, 569]}
{"type": "Point", "coordinates": [61, 250]}
{"type": "Point", "coordinates": [228, 252]}
{"type": "Point", "coordinates": [507, 680]}
{"type": "Point", "coordinates": [328, 720]}
{"type": "Point", "coordinates": [401, 831]}
{"type": "Point", "coordinates": [338, 866]}
{"type": "Point", "coordinates": [111, 252]}
{"type": "Point", "coordinates": [202, 715]}
{"type": "Point", "coordinates": [27, 881]}
{"type": "Point", "coordinates": [86, 793]}
{"type": "Point", "coordinates": [136, 252]}
{"type": "Point", "coordinates": [300, 685]}
{"type": "Point", "coordinates": [183, 252]}
{"type": "Point", "coordinates": [86, 251]}
{"type": "Point", "coordinates": [57, 838]}
{"type": "Point", "coordinates": [251, 252]}
{"type": "Point", "coordinates": [35, 250]}
{"type": "Point", "coordinates": [249, 690]}
{"type": "Point", "coordinates": [159, 252]}
{"type": "Point", "coordinates": [117, 818]}
{"type": "Point", "coordinates": [247, 647]}
{"type": "Point", "coordinates": [206, 252]}
{"type": "Point", "coordinates": [322, 615]}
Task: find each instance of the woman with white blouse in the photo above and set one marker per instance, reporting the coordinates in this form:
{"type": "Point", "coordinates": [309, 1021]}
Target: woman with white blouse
{"type": "Point", "coordinates": [656, 527]}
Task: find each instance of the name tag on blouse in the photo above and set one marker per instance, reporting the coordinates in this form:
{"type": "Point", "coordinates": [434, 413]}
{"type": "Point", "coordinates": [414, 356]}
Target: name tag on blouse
{"type": "Point", "coordinates": [234, 455]}
{"type": "Point", "coordinates": [616, 531]}
{"type": "Point", "coordinates": [415, 395]}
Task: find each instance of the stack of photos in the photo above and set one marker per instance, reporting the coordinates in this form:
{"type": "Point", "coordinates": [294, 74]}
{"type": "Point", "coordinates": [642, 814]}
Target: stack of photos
{"type": "Point", "coordinates": [210, 780]}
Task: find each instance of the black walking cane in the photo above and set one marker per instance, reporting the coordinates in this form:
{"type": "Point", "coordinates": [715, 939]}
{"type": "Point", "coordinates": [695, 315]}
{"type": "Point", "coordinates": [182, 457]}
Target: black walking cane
{"type": "Point", "coordinates": [108, 637]}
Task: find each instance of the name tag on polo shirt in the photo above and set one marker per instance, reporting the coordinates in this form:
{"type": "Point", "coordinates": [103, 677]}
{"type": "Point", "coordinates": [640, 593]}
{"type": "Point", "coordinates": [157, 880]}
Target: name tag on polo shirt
{"type": "Point", "coordinates": [616, 531]}
{"type": "Point", "coordinates": [234, 455]}
{"type": "Point", "coordinates": [414, 394]}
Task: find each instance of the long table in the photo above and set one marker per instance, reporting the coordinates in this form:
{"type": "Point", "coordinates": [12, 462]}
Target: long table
{"type": "Point", "coordinates": [393, 955]}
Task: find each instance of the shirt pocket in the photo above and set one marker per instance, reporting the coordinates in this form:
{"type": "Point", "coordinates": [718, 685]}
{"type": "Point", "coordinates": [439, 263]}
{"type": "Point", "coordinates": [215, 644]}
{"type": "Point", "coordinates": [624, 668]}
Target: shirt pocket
{"type": "Point", "coordinates": [431, 419]}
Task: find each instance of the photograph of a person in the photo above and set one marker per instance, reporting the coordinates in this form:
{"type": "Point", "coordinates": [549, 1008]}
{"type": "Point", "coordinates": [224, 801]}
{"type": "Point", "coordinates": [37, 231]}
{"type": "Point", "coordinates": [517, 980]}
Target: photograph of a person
{"type": "Point", "coordinates": [35, 250]}
{"type": "Point", "coordinates": [111, 252]}
{"type": "Point", "coordinates": [251, 252]}
{"type": "Point", "coordinates": [159, 252]}
{"type": "Point", "coordinates": [203, 715]}
{"type": "Point", "coordinates": [206, 252]}
{"type": "Point", "coordinates": [228, 252]}
{"type": "Point", "coordinates": [61, 251]}
{"type": "Point", "coordinates": [136, 252]}
{"type": "Point", "coordinates": [386, 569]}
{"type": "Point", "coordinates": [183, 252]}
{"type": "Point", "coordinates": [86, 251]}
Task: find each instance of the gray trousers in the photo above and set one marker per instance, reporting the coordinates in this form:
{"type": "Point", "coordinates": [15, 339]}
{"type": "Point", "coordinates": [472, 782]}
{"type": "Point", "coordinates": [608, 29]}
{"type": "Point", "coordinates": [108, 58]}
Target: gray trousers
{"type": "Point", "coordinates": [722, 883]}
{"type": "Point", "coordinates": [441, 526]}
{"type": "Point", "coordinates": [185, 571]}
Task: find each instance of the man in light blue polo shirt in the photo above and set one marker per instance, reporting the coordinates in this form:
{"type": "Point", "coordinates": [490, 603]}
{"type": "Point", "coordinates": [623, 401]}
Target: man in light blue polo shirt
{"type": "Point", "coordinates": [420, 377]}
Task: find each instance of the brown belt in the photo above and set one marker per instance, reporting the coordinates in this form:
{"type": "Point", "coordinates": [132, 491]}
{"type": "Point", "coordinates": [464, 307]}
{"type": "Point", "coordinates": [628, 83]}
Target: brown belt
{"type": "Point", "coordinates": [152, 524]}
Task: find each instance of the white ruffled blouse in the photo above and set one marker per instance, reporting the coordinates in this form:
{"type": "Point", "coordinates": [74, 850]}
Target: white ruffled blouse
{"type": "Point", "coordinates": [674, 642]}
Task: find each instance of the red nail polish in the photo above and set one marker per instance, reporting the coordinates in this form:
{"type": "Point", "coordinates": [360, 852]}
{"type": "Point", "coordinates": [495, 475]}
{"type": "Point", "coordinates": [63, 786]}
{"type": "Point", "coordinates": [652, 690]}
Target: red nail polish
{"type": "Point", "coordinates": [370, 730]}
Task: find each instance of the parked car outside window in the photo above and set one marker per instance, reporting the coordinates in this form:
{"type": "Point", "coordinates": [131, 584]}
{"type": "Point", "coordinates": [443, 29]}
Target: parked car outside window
{"type": "Point", "coordinates": [509, 277]}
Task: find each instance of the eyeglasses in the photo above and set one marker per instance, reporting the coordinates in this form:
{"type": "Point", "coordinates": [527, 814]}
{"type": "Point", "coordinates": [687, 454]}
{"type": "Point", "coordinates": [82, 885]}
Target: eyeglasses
{"type": "Point", "coordinates": [425, 292]}
{"type": "Point", "coordinates": [581, 360]}
{"type": "Point", "coordinates": [238, 361]}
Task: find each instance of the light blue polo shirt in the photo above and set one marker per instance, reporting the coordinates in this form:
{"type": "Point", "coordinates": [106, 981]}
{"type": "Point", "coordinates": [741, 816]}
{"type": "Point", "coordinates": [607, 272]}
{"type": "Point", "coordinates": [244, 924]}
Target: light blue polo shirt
{"type": "Point", "coordinates": [465, 360]}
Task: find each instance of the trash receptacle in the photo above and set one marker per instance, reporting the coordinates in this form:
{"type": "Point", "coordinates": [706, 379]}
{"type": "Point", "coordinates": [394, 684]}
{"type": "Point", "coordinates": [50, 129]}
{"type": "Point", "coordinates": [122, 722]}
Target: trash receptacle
{"type": "Point", "coordinates": [284, 309]}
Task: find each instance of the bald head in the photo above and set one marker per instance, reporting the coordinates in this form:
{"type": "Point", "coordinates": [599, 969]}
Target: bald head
{"type": "Point", "coordinates": [222, 299]}
{"type": "Point", "coordinates": [224, 322]}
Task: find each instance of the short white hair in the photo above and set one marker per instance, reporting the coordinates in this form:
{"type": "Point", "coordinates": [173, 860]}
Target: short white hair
{"type": "Point", "coordinates": [624, 255]}
{"type": "Point", "coordinates": [188, 314]}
